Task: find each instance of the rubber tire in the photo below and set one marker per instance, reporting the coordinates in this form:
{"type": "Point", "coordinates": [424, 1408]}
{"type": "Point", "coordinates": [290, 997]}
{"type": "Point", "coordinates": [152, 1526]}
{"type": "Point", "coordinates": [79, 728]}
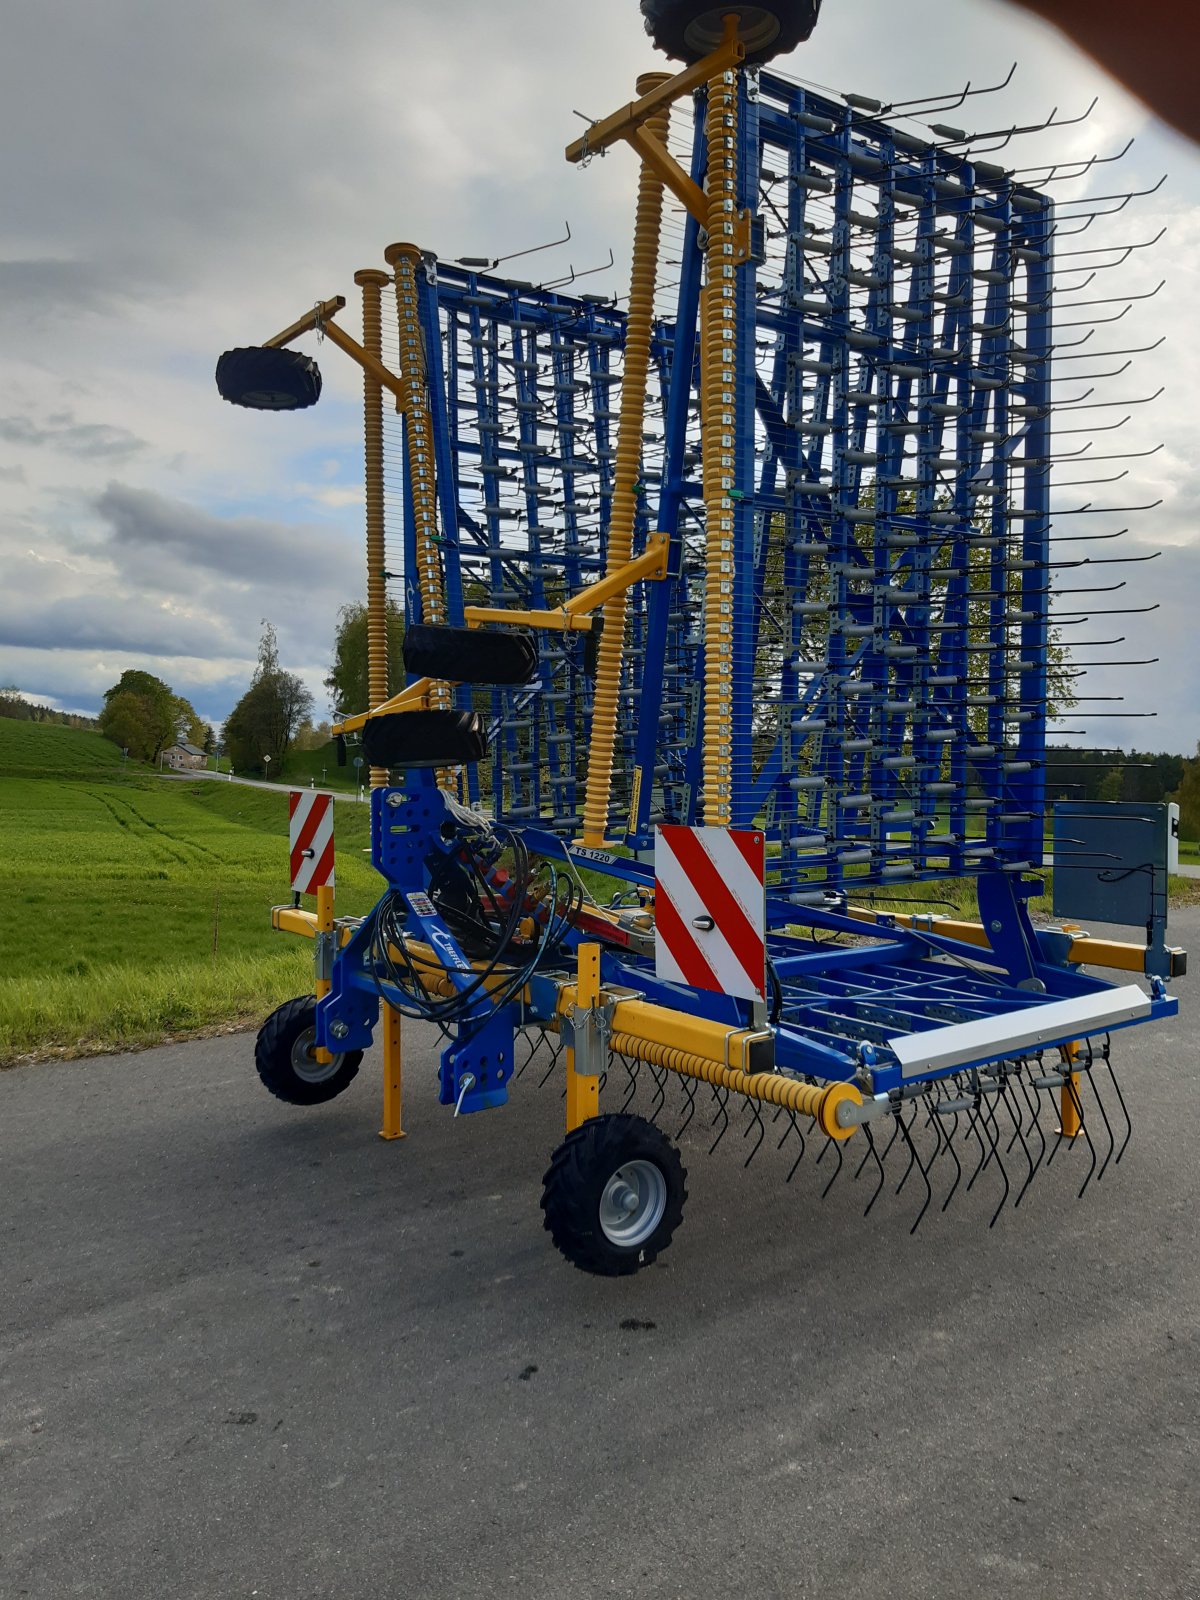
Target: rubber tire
{"type": "Point", "coordinates": [410, 739]}
{"type": "Point", "coordinates": [470, 655]}
{"type": "Point", "coordinates": [667, 23]}
{"type": "Point", "coordinates": [266, 379]}
{"type": "Point", "coordinates": [273, 1056]}
{"type": "Point", "coordinates": [575, 1180]}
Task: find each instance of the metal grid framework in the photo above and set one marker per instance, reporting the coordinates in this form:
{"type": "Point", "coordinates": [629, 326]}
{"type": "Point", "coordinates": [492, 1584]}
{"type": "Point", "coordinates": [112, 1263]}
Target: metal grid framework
{"type": "Point", "coordinates": [890, 607]}
{"type": "Point", "coordinates": [524, 387]}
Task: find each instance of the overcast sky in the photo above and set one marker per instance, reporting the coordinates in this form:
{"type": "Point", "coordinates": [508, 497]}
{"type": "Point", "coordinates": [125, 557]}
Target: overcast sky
{"type": "Point", "coordinates": [184, 178]}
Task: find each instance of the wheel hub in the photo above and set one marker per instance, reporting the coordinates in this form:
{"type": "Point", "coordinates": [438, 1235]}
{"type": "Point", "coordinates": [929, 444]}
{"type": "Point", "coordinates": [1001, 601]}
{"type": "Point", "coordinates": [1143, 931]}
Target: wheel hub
{"type": "Point", "coordinates": [757, 28]}
{"type": "Point", "coordinates": [304, 1059]}
{"type": "Point", "coordinates": [632, 1204]}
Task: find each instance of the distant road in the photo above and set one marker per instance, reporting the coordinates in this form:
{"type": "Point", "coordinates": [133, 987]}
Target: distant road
{"type": "Point", "coordinates": [260, 783]}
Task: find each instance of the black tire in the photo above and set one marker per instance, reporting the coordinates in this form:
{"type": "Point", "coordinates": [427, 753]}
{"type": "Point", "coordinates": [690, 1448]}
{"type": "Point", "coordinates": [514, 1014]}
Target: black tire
{"type": "Point", "coordinates": [691, 29]}
{"type": "Point", "coordinates": [424, 739]}
{"type": "Point", "coordinates": [586, 1212]}
{"type": "Point", "coordinates": [285, 1042]}
{"type": "Point", "coordinates": [264, 379]}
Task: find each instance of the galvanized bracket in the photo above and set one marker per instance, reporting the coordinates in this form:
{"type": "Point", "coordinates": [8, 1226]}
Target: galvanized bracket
{"type": "Point", "coordinates": [586, 1030]}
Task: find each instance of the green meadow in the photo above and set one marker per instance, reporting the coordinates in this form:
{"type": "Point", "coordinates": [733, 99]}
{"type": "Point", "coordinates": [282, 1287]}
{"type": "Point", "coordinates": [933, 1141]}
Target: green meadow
{"type": "Point", "coordinates": [139, 906]}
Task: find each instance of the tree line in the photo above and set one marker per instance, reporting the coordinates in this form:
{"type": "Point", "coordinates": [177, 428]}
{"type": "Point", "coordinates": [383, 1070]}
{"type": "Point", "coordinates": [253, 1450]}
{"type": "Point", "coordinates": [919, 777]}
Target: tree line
{"type": "Point", "coordinates": [17, 707]}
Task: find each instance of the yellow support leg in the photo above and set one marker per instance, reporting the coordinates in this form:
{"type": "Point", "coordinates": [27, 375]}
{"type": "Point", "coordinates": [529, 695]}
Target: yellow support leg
{"type": "Point", "coordinates": [324, 925]}
{"type": "Point", "coordinates": [392, 1074]}
{"type": "Point", "coordinates": [583, 1090]}
{"type": "Point", "coordinates": [1070, 1123]}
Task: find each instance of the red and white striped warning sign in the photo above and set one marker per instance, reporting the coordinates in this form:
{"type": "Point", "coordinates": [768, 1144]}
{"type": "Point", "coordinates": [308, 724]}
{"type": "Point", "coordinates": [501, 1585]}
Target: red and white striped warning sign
{"type": "Point", "coordinates": [311, 837]}
{"type": "Point", "coordinates": [710, 911]}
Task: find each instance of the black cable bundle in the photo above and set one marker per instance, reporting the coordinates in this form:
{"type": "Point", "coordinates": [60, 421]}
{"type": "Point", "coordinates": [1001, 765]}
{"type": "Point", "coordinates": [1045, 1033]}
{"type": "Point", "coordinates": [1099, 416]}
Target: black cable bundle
{"type": "Point", "coordinates": [508, 957]}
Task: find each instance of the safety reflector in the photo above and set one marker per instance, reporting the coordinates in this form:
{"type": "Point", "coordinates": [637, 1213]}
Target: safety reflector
{"type": "Point", "coordinates": [710, 911]}
{"type": "Point", "coordinates": [310, 836]}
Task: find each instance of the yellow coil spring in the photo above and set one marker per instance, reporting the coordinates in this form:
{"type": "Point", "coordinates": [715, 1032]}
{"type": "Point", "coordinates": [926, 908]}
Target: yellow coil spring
{"type": "Point", "coordinates": [719, 425]}
{"type": "Point", "coordinates": [405, 260]}
{"type": "Point", "coordinates": [805, 1099]}
{"type": "Point", "coordinates": [638, 331]}
{"type": "Point", "coordinates": [371, 282]}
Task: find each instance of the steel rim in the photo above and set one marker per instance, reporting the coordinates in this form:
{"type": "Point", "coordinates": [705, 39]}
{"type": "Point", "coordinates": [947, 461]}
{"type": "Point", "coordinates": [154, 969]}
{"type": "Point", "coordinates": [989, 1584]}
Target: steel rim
{"type": "Point", "coordinates": [758, 28]}
{"type": "Point", "coordinates": [633, 1204]}
{"type": "Point", "coordinates": [304, 1062]}
{"type": "Point", "coordinates": [270, 399]}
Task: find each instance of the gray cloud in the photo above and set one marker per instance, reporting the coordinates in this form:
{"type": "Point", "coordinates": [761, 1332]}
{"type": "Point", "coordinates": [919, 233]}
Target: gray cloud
{"type": "Point", "coordinates": [81, 623]}
{"type": "Point", "coordinates": [36, 289]}
{"type": "Point", "coordinates": [97, 441]}
{"type": "Point", "coordinates": [268, 556]}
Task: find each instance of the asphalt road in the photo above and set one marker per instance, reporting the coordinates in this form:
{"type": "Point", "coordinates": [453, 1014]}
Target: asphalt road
{"type": "Point", "coordinates": [247, 1350]}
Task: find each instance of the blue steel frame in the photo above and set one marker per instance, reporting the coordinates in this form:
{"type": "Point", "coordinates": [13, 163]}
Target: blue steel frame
{"type": "Point", "coordinates": [892, 605]}
{"type": "Point", "coordinates": [891, 645]}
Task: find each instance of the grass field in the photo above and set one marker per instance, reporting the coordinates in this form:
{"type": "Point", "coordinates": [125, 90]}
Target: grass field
{"type": "Point", "coordinates": [138, 906]}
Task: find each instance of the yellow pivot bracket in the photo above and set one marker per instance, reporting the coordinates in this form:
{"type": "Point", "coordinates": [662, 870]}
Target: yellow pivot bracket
{"type": "Point", "coordinates": [584, 1051]}
{"type": "Point", "coordinates": [320, 319]}
{"type": "Point", "coordinates": [661, 93]}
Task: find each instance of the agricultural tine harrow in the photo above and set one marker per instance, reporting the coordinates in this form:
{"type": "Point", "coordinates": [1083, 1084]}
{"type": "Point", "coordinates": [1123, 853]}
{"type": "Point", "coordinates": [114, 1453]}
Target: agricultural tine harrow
{"type": "Point", "coordinates": [733, 622]}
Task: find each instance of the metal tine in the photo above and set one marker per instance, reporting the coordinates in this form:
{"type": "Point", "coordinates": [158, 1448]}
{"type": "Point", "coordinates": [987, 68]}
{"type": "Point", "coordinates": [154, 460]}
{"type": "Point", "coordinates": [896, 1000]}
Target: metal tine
{"type": "Point", "coordinates": [925, 105]}
{"type": "Point", "coordinates": [660, 1075]}
{"type": "Point", "coordinates": [721, 1096]}
{"type": "Point", "coordinates": [947, 1105]}
{"type": "Point", "coordinates": [1125, 1112]}
{"type": "Point", "coordinates": [1084, 166]}
{"type": "Point", "coordinates": [1014, 1111]}
{"type": "Point", "coordinates": [1035, 1123]}
{"type": "Point", "coordinates": [879, 1186]}
{"type": "Point", "coordinates": [1112, 1140]}
{"type": "Point", "coordinates": [992, 1125]}
{"type": "Point", "coordinates": [632, 1067]}
{"type": "Point", "coordinates": [1049, 1082]}
{"type": "Point", "coordinates": [549, 1072]}
{"type": "Point", "coordinates": [1006, 135]}
{"type": "Point", "coordinates": [762, 1130]}
{"type": "Point", "coordinates": [973, 1127]}
{"type": "Point", "coordinates": [1126, 250]}
{"type": "Point", "coordinates": [895, 1134]}
{"type": "Point", "coordinates": [1093, 200]}
{"type": "Point", "coordinates": [800, 1136]}
{"type": "Point", "coordinates": [689, 1087]}
{"type": "Point", "coordinates": [924, 1175]}
{"type": "Point", "coordinates": [906, 1130]}
{"type": "Point", "coordinates": [837, 1150]}
{"type": "Point", "coordinates": [1073, 1092]}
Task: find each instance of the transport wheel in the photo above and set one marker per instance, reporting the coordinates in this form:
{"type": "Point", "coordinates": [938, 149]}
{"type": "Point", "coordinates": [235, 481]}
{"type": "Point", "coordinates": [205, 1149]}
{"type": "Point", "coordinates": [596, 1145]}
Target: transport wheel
{"type": "Point", "coordinates": [691, 29]}
{"type": "Point", "coordinates": [284, 1056]}
{"type": "Point", "coordinates": [264, 379]}
{"type": "Point", "coordinates": [613, 1195]}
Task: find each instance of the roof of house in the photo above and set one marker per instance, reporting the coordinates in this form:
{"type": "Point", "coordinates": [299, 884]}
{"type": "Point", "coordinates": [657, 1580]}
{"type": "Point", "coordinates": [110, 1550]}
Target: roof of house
{"type": "Point", "coordinates": [188, 749]}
